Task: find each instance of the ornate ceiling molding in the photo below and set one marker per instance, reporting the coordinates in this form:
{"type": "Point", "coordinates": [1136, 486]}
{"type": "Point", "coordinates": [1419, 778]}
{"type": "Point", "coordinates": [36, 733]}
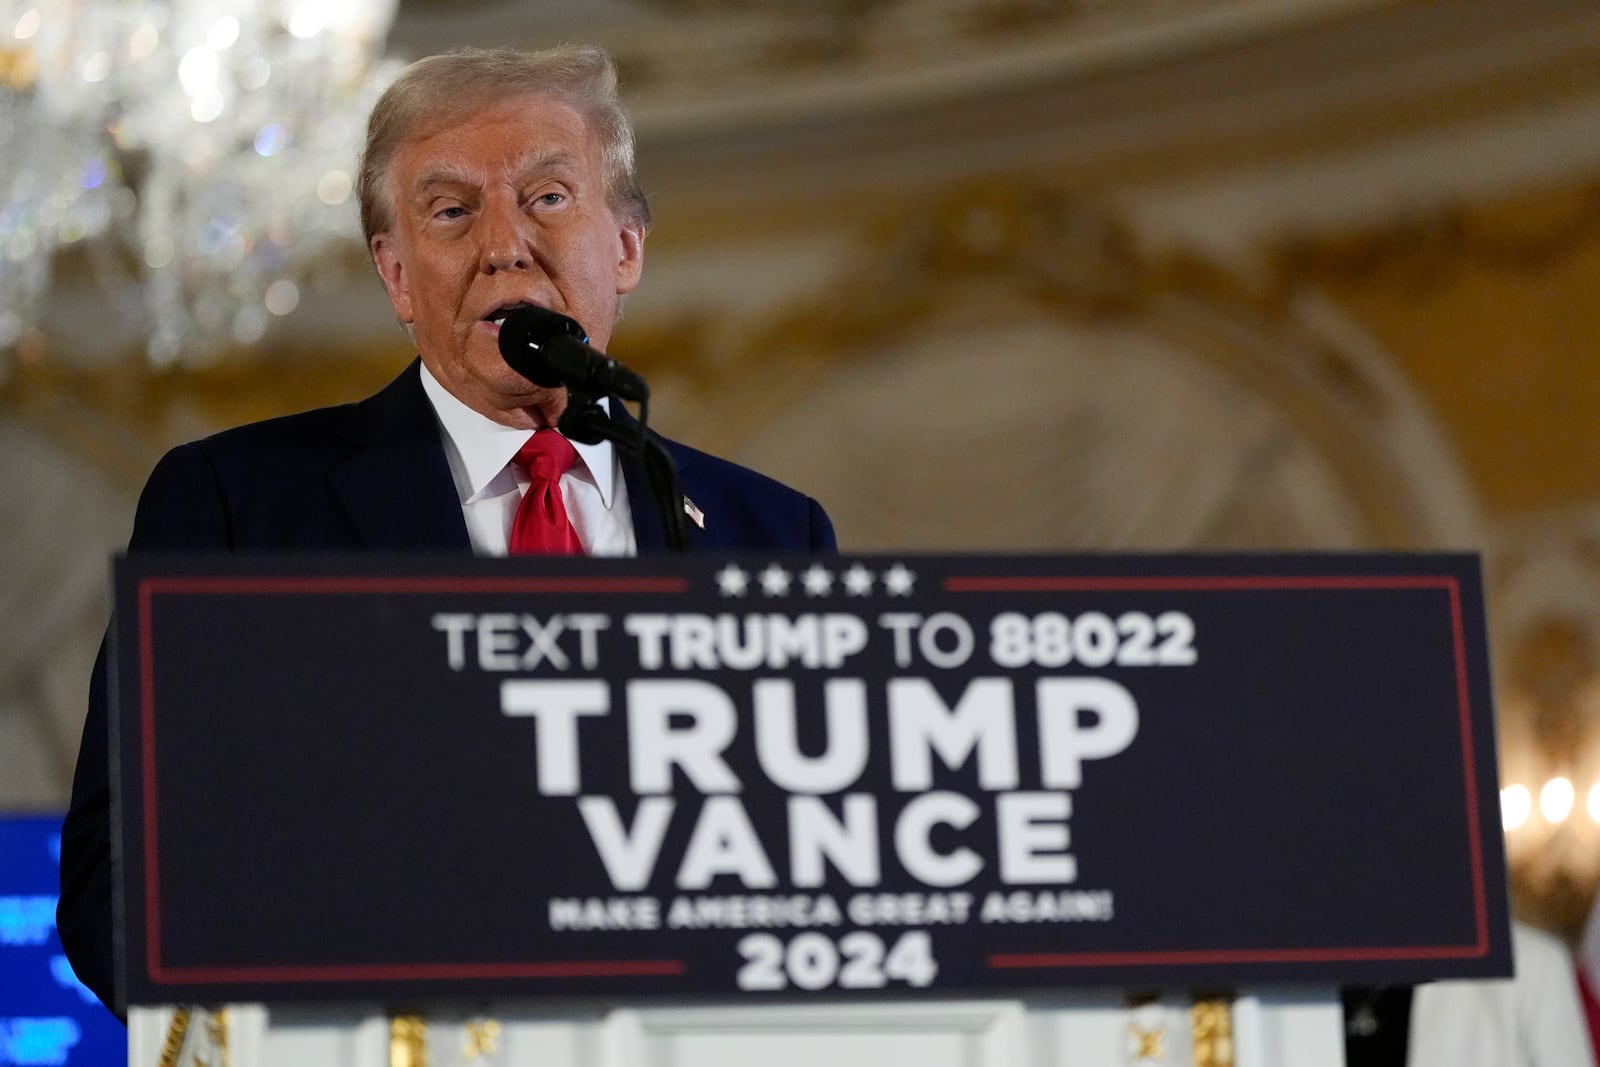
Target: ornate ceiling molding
{"type": "Point", "coordinates": [1015, 263]}
{"type": "Point", "coordinates": [1425, 245]}
{"type": "Point", "coordinates": [1303, 126]}
{"type": "Point", "coordinates": [696, 62]}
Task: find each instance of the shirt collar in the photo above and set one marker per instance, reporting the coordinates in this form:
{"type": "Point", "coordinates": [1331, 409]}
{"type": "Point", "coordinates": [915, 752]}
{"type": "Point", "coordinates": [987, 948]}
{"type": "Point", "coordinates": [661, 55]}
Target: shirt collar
{"type": "Point", "coordinates": [485, 447]}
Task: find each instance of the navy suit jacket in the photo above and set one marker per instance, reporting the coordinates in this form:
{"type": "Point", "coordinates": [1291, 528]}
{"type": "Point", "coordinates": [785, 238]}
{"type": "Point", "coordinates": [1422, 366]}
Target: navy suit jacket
{"type": "Point", "coordinates": [369, 476]}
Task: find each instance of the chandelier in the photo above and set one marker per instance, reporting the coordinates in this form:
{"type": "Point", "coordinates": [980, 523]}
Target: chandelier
{"type": "Point", "coordinates": [198, 155]}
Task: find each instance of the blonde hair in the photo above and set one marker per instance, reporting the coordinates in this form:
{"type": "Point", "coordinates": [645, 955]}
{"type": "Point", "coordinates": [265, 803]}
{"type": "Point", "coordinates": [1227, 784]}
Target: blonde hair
{"type": "Point", "coordinates": [431, 93]}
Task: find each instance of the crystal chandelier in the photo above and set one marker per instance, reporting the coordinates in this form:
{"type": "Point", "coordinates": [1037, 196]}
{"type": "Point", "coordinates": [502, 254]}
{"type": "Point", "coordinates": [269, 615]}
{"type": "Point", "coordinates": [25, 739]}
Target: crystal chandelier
{"type": "Point", "coordinates": [199, 153]}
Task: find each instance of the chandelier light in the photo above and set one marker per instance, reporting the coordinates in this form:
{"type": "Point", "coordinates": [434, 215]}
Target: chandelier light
{"type": "Point", "coordinates": [199, 153]}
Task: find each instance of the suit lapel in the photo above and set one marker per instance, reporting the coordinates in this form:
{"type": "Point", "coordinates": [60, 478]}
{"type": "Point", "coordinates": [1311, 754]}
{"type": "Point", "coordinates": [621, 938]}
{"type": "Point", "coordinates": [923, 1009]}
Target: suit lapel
{"type": "Point", "coordinates": [397, 488]}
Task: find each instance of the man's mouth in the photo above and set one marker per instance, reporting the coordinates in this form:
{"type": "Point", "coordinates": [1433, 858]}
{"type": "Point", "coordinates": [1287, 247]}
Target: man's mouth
{"type": "Point", "coordinates": [497, 317]}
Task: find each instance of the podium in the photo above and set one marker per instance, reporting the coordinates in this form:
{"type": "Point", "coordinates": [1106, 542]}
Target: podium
{"type": "Point", "coordinates": [733, 809]}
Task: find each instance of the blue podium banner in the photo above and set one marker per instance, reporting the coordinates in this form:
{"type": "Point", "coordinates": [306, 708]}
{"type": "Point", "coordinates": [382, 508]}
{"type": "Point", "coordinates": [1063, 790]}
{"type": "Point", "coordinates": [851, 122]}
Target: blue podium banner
{"type": "Point", "coordinates": [732, 778]}
{"type": "Point", "coordinates": [47, 1017]}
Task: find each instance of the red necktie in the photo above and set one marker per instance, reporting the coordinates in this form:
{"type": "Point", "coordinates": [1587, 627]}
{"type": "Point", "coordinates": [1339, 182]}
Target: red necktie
{"type": "Point", "coordinates": [541, 526]}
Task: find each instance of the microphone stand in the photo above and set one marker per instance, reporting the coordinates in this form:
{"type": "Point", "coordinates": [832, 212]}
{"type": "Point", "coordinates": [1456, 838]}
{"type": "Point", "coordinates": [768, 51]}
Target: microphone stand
{"type": "Point", "coordinates": [583, 420]}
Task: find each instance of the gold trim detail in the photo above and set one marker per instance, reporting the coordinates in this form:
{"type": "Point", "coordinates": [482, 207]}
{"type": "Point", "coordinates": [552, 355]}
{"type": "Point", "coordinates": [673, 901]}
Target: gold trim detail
{"type": "Point", "coordinates": [197, 1037]}
{"type": "Point", "coordinates": [1146, 1040]}
{"type": "Point", "coordinates": [1148, 1044]}
{"type": "Point", "coordinates": [483, 1039]}
{"type": "Point", "coordinates": [217, 1030]}
{"type": "Point", "coordinates": [172, 1047]}
{"type": "Point", "coordinates": [1212, 1020]}
{"type": "Point", "coordinates": [408, 1041]}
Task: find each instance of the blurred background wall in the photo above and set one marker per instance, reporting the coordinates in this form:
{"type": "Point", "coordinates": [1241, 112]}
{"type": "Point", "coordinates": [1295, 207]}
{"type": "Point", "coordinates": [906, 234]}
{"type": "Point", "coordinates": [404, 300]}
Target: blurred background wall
{"type": "Point", "coordinates": [1051, 275]}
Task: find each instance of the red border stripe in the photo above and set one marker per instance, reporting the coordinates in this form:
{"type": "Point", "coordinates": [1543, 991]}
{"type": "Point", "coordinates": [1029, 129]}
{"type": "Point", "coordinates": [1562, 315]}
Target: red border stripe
{"type": "Point", "coordinates": [1026, 584]}
{"type": "Point", "coordinates": [329, 585]}
{"type": "Point", "coordinates": [1017, 960]}
{"type": "Point", "coordinates": [147, 751]}
{"type": "Point", "coordinates": [1469, 767]}
{"type": "Point", "coordinates": [159, 974]}
{"type": "Point", "coordinates": [397, 972]}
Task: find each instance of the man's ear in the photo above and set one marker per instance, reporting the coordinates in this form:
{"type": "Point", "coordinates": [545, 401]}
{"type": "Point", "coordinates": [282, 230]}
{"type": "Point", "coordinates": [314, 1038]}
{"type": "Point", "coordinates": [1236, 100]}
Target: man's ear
{"type": "Point", "coordinates": [393, 274]}
{"type": "Point", "coordinates": [630, 258]}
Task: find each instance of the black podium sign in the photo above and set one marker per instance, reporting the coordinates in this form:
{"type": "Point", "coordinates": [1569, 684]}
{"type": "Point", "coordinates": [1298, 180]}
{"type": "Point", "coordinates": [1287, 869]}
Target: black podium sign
{"type": "Point", "coordinates": [740, 777]}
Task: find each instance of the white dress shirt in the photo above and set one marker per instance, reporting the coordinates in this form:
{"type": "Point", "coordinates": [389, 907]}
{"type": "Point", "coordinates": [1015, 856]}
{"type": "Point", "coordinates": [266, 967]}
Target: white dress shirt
{"type": "Point", "coordinates": [490, 486]}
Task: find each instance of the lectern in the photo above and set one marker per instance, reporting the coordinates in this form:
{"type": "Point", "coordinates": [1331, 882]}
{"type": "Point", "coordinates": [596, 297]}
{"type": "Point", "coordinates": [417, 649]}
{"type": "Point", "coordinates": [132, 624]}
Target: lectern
{"type": "Point", "coordinates": [734, 809]}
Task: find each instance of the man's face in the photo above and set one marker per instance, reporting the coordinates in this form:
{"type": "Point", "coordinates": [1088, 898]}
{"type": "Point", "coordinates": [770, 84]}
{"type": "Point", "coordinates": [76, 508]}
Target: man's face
{"type": "Point", "coordinates": [506, 207]}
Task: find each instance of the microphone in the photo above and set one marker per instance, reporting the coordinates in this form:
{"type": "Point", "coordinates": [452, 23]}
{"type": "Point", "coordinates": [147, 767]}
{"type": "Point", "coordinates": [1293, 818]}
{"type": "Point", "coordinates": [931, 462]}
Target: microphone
{"type": "Point", "coordinates": [552, 350]}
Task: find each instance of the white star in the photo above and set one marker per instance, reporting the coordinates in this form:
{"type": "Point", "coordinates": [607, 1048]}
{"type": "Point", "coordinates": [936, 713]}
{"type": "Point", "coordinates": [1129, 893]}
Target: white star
{"type": "Point", "coordinates": [857, 580]}
{"type": "Point", "coordinates": [774, 580]}
{"type": "Point", "coordinates": [818, 580]}
{"type": "Point", "coordinates": [732, 580]}
{"type": "Point", "coordinates": [897, 580]}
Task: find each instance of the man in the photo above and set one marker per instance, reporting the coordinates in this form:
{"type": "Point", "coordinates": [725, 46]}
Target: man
{"type": "Point", "coordinates": [490, 179]}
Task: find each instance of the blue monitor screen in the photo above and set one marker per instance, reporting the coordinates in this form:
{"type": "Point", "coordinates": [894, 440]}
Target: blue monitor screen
{"type": "Point", "coordinates": [47, 1017]}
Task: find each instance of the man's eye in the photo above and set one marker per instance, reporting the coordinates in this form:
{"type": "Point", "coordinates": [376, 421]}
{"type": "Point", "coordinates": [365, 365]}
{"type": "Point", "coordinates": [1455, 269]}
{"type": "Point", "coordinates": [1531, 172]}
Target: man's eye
{"type": "Point", "coordinates": [453, 212]}
{"type": "Point", "coordinates": [549, 199]}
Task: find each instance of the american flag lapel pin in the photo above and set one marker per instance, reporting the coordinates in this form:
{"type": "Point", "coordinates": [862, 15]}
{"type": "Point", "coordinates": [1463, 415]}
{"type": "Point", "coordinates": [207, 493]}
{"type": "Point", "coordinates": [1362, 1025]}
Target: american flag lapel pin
{"type": "Point", "coordinates": [696, 516]}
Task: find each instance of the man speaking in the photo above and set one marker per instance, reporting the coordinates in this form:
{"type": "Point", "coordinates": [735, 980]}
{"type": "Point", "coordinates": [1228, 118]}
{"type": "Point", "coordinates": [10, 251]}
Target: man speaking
{"type": "Point", "coordinates": [490, 181]}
